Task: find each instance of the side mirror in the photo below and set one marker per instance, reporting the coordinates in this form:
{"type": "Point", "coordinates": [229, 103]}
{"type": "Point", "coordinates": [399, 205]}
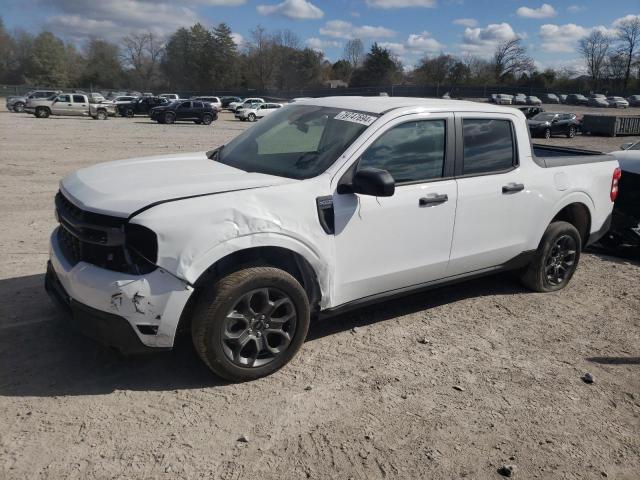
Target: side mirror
{"type": "Point", "coordinates": [374, 182]}
{"type": "Point", "coordinates": [626, 146]}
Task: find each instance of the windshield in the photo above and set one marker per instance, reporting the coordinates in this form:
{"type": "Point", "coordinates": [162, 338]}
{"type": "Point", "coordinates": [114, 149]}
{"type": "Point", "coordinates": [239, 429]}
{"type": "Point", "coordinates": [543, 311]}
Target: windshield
{"type": "Point", "coordinates": [544, 117]}
{"type": "Point", "coordinates": [297, 141]}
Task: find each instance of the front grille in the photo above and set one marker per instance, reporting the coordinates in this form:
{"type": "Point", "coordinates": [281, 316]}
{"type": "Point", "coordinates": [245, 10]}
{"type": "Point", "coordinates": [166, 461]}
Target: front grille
{"type": "Point", "coordinates": [98, 239]}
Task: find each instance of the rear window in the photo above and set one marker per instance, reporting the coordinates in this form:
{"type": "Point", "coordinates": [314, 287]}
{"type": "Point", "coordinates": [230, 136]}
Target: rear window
{"type": "Point", "coordinates": [488, 146]}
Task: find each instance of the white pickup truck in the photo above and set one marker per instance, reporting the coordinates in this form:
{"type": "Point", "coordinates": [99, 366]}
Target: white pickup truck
{"type": "Point", "coordinates": [325, 205]}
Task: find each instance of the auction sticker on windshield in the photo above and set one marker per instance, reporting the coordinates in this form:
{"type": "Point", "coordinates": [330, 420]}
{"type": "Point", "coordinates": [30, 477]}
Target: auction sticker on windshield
{"type": "Point", "coordinates": [355, 117]}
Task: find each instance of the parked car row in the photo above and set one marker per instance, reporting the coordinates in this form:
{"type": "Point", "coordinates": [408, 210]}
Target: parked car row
{"type": "Point", "coordinates": [595, 100]}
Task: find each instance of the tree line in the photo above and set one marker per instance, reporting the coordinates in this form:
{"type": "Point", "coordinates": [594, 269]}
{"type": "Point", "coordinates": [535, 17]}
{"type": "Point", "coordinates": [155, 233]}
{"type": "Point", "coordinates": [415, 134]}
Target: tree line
{"type": "Point", "coordinates": [202, 59]}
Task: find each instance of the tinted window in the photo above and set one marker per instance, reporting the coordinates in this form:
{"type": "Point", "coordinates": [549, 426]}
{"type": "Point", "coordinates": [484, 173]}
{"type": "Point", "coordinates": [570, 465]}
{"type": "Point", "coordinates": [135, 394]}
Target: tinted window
{"type": "Point", "coordinates": [185, 105]}
{"type": "Point", "coordinates": [488, 146]}
{"type": "Point", "coordinates": [64, 98]}
{"type": "Point", "coordinates": [78, 99]}
{"type": "Point", "coordinates": [410, 152]}
{"type": "Point", "coordinates": [198, 105]}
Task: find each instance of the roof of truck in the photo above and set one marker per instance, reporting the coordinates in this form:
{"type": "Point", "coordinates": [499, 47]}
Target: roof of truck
{"type": "Point", "coordinates": [380, 105]}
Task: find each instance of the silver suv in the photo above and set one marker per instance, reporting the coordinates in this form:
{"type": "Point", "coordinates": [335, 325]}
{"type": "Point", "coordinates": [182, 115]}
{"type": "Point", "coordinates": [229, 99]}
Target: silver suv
{"type": "Point", "coordinates": [17, 103]}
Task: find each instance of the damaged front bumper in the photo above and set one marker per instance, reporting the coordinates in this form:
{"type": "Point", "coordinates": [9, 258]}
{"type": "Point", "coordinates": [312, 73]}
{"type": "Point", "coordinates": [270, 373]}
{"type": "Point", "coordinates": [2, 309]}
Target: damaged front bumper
{"type": "Point", "coordinates": [133, 313]}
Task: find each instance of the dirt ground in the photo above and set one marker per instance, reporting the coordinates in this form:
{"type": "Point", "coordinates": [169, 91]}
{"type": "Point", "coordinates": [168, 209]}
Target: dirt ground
{"type": "Point", "coordinates": [454, 383]}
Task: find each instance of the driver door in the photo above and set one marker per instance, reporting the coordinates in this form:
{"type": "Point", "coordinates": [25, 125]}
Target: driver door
{"type": "Point", "coordinates": [62, 105]}
{"type": "Point", "coordinates": [184, 111]}
{"type": "Point", "coordinates": [387, 244]}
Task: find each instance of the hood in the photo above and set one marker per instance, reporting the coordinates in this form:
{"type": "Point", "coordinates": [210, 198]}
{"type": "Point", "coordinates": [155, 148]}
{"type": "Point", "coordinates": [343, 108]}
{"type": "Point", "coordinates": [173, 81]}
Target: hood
{"type": "Point", "coordinates": [123, 187]}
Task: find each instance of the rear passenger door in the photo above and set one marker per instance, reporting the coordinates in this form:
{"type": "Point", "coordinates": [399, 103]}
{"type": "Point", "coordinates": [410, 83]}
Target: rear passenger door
{"type": "Point", "coordinates": [80, 105]}
{"type": "Point", "coordinates": [496, 210]}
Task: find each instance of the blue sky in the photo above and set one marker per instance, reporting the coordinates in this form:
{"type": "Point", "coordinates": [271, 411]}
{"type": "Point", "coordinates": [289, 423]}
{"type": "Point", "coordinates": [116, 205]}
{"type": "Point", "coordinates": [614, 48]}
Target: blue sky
{"type": "Point", "coordinates": [409, 28]}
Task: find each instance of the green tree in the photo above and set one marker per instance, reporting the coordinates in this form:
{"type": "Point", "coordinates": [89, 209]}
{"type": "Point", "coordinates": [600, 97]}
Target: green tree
{"type": "Point", "coordinates": [225, 71]}
{"type": "Point", "coordinates": [47, 61]}
{"type": "Point", "coordinates": [379, 68]}
{"type": "Point", "coordinates": [175, 63]}
{"type": "Point", "coordinates": [102, 67]}
{"type": "Point", "coordinates": [341, 70]}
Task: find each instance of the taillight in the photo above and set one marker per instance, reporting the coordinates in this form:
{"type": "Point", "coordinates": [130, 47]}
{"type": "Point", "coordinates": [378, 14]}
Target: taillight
{"type": "Point", "coordinates": [615, 180]}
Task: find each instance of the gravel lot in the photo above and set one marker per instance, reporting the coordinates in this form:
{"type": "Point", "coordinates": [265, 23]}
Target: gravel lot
{"type": "Point", "coordinates": [371, 394]}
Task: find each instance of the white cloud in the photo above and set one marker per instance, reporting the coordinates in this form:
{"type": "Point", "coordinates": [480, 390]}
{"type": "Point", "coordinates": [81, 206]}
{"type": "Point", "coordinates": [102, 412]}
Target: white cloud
{"type": "Point", "coordinates": [564, 38]}
{"type": "Point", "coordinates": [388, 4]}
{"type": "Point", "coordinates": [238, 39]}
{"type": "Point", "coordinates": [544, 11]}
{"type": "Point", "coordinates": [342, 29]}
{"type": "Point", "coordinates": [295, 9]}
{"type": "Point", "coordinates": [616, 23]}
{"type": "Point", "coordinates": [320, 44]}
{"type": "Point", "coordinates": [561, 38]}
{"type": "Point", "coordinates": [483, 41]}
{"type": "Point", "coordinates": [576, 8]}
{"type": "Point", "coordinates": [466, 22]}
{"type": "Point", "coordinates": [424, 43]}
{"type": "Point", "coordinates": [397, 49]}
{"type": "Point", "coordinates": [417, 44]}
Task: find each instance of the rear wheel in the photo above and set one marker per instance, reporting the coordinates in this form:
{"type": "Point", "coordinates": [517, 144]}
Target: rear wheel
{"type": "Point", "coordinates": [252, 117]}
{"type": "Point", "coordinates": [547, 133]}
{"type": "Point", "coordinates": [250, 323]}
{"type": "Point", "coordinates": [556, 259]}
{"type": "Point", "coordinates": [18, 107]}
{"type": "Point", "coordinates": [572, 132]}
{"type": "Point", "coordinates": [42, 112]}
{"type": "Point", "coordinates": [207, 119]}
{"type": "Point", "coordinates": [169, 118]}
{"type": "Point", "coordinates": [129, 112]}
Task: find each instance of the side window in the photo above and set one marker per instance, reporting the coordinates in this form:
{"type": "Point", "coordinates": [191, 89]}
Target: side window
{"type": "Point", "coordinates": [488, 146]}
{"type": "Point", "coordinates": [198, 105]}
{"type": "Point", "coordinates": [185, 105]}
{"type": "Point", "coordinates": [64, 98]}
{"type": "Point", "coordinates": [78, 99]}
{"type": "Point", "coordinates": [410, 152]}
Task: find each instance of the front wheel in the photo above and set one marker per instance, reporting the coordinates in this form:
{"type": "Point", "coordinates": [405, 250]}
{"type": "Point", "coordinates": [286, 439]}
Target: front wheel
{"type": "Point", "coordinates": [18, 107]}
{"type": "Point", "coordinates": [250, 323]}
{"type": "Point", "coordinates": [169, 118]}
{"type": "Point", "coordinates": [252, 117]}
{"type": "Point", "coordinates": [556, 259]}
{"type": "Point", "coordinates": [101, 115]}
{"type": "Point", "coordinates": [547, 133]}
{"type": "Point", "coordinates": [572, 132]}
{"type": "Point", "coordinates": [129, 113]}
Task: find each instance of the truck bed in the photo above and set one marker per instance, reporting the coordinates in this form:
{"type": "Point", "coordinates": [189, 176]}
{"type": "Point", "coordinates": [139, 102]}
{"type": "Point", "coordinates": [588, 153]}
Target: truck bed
{"type": "Point", "coordinates": [547, 156]}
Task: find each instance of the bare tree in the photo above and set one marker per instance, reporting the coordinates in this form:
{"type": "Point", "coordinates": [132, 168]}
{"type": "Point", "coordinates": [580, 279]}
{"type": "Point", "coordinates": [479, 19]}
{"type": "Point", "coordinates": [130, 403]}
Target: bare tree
{"type": "Point", "coordinates": [511, 59]}
{"type": "Point", "coordinates": [629, 35]}
{"type": "Point", "coordinates": [594, 49]}
{"type": "Point", "coordinates": [354, 52]}
{"type": "Point", "coordinates": [142, 53]}
{"type": "Point", "coordinates": [287, 38]}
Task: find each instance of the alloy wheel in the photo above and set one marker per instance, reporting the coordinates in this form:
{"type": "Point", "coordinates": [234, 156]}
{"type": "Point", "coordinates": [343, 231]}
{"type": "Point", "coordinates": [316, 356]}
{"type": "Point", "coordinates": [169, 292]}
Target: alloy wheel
{"type": "Point", "coordinates": [259, 327]}
{"type": "Point", "coordinates": [560, 260]}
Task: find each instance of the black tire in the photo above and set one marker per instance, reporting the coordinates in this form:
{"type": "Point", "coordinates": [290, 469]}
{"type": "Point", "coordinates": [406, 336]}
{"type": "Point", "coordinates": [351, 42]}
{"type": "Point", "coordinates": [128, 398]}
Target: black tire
{"type": "Point", "coordinates": [572, 132]}
{"type": "Point", "coordinates": [169, 118]}
{"type": "Point", "coordinates": [18, 107]}
{"type": "Point", "coordinates": [547, 133]}
{"type": "Point", "coordinates": [218, 325]}
{"type": "Point", "coordinates": [252, 117]}
{"type": "Point", "coordinates": [207, 119]}
{"type": "Point", "coordinates": [198, 122]}
{"type": "Point", "coordinates": [129, 113]}
{"type": "Point", "coordinates": [42, 112]}
{"type": "Point", "coordinates": [101, 115]}
{"type": "Point", "coordinates": [558, 255]}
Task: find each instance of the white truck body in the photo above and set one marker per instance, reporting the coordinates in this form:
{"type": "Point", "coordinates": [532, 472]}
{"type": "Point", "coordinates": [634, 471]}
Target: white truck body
{"type": "Point", "coordinates": [204, 211]}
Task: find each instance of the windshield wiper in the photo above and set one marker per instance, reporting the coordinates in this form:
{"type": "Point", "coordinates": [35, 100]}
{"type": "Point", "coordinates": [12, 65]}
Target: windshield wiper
{"type": "Point", "coordinates": [213, 154]}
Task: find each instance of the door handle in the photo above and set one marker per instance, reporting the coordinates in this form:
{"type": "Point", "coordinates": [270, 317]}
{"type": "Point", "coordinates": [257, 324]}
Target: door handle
{"type": "Point", "coordinates": [433, 200]}
{"type": "Point", "coordinates": [512, 187]}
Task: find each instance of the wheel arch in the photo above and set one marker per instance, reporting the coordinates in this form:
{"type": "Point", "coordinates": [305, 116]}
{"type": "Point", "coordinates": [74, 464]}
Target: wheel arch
{"type": "Point", "coordinates": [286, 259]}
{"type": "Point", "coordinates": [578, 214]}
